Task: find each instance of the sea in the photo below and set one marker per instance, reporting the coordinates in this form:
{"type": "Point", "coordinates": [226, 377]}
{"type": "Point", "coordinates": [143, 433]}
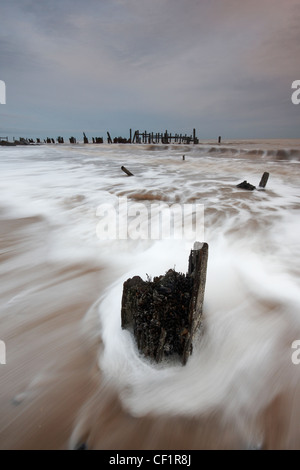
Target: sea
{"type": "Point", "coordinates": [70, 376]}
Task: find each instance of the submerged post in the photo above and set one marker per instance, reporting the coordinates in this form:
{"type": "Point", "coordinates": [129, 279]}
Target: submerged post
{"type": "Point", "coordinates": [264, 180]}
{"type": "Point", "coordinates": [128, 173]}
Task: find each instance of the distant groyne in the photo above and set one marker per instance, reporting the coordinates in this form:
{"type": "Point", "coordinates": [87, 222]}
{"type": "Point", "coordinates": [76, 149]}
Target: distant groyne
{"type": "Point", "coordinates": [135, 137]}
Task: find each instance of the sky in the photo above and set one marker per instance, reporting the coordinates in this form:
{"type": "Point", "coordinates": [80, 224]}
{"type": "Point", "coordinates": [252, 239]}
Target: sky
{"type": "Point", "coordinates": [224, 67]}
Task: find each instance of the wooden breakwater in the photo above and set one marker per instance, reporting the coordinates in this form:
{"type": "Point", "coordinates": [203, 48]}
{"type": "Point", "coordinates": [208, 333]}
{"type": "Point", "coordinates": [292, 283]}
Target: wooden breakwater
{"type": "Point", "coordinates": [146, 137]}
{"type": "Point", "coordinates": [135, 137]}
{"type": "Point", "coordinates": [163, 137]}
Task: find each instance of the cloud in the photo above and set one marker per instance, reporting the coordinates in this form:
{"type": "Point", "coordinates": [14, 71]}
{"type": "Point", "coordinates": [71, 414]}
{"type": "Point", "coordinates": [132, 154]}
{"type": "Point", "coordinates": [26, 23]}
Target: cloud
{"type": "Point", "coordinates": [214, 59]}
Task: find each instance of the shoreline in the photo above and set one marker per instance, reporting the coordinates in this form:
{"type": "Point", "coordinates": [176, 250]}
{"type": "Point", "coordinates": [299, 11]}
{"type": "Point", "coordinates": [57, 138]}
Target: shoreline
{"type": "Point", "coordinates": [53, 393]}
{"type": "Point", "coordinates": [72, 377]}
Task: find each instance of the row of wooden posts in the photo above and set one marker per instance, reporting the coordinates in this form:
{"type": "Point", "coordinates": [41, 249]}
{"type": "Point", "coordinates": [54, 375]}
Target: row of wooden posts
{"type": "Point", "coordinates": [149, 138]}
{"type": "Point", "coordinates": [135, 137]}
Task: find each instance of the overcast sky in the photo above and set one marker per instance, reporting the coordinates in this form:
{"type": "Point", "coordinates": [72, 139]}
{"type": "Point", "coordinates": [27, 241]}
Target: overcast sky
{"type": "Point", "coordinates": [224, 67]}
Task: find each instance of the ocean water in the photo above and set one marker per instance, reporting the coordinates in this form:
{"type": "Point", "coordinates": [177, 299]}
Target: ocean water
{"type": "Point", "coordinates": [61, 290]}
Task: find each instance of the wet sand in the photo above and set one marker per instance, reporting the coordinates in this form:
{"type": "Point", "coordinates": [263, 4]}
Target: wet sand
{"type": "Point", "coordinates": [65, 384]}
{"type": "Point", "coordinates": [53, 394]}
{"type": "Point", "coordinates": [51, 364]}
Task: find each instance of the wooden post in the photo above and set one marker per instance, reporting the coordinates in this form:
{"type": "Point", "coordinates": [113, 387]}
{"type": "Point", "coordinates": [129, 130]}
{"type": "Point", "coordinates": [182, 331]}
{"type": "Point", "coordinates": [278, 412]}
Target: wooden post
{"type": "Point", "coordinates": [85, 139]}
{"type": "Point", "coordinates": [166, 313]}
{"type": "Point", "coordinates": [197, 269]}
{"type": "Point", "coordinates": [264, 180]}
{"type": "Point", "coordinates": [245, 185]}
{"type": "Point", "coordinates": [130, 136]}
{"type": "Point", "coordinates": [128, 173]}
{"type": "Point", "coordinates": [109, 139]}
{"type": "Point", "coordinates": [194, 135]}
{"type": "Point", "coordinates": [183, 157]}
{"type": "Point", "coordinates": [219, 140]}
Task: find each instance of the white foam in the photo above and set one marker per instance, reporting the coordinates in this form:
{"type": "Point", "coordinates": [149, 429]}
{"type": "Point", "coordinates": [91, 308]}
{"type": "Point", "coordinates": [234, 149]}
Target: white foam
{"type": "Point", "coordinates": [252, 295]}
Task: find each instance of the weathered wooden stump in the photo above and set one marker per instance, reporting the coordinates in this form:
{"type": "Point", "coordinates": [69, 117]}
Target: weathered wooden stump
{"type": "Point", "coordinates": [250, 187]}
{"type": "Point", "coordinates": [128, 173]}
{"type": "Point", "coordinates": [109, 139]}
{"type": "Point", "coordinates": [264, 180]}
{"type": "Point", "coordinates": [246, 185]}
{"type": "Point", "coordinates": [166, 313]}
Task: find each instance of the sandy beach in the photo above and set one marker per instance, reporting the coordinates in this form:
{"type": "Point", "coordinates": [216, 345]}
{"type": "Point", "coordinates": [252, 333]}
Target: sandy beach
{"type": "Point", "coordinates": [72, 376]}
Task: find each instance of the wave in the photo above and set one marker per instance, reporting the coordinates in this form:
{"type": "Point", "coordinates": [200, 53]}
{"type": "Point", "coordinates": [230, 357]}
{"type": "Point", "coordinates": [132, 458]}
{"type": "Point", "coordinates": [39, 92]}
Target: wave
{"type": "Point", "coordinates": [61, 292]}
{"type": "Point", "coordinates": [277, 154]}
{"type": "Point", "coordinates": [230, 149]}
